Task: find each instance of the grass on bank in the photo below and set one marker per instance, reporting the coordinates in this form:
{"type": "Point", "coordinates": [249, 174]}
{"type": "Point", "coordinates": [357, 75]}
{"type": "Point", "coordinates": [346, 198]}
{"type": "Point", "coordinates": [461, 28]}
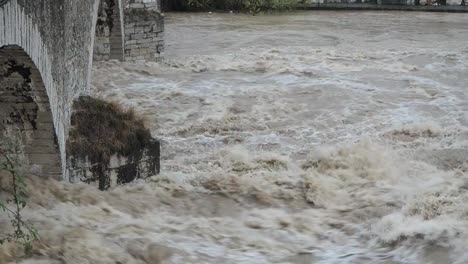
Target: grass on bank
{"type": "Point", "coordinates": [251, 6]}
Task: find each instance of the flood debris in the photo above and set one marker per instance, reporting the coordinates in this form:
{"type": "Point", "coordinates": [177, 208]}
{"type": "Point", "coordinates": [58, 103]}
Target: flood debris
{"type": "Point", "coordinates": [109, 145]}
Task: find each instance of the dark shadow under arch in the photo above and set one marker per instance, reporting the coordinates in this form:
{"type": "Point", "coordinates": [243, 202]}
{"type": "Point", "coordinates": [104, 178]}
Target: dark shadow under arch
{"type": "Point", "coordinates": [25, 111]}
{"type": "Point", "coordinates": [108, 44]}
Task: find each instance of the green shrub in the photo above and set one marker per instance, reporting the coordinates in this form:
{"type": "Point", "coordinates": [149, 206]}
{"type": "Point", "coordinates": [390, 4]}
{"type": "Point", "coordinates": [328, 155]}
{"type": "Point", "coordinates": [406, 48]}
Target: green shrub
{"type": "Point", "coordinates": [200, 4]}
{"type": "Point", "coordinates": [281, 5]}
{"type": "Point", "coordinates": [234, 5]}
{"type": "Point", "coordinates": [13, 190]}
{"type": "Point", "coordinates": [252, 6]}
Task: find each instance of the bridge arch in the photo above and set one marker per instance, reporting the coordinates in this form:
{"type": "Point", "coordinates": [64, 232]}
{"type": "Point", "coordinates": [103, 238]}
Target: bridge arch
{"type": "Point", "coordinates": [23, 53]}
{"type": "Point", "coordinates": [25, 111]}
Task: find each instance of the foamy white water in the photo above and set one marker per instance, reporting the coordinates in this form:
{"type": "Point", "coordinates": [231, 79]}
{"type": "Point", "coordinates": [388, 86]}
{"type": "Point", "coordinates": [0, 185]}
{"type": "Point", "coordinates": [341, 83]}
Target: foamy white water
{"type": "Point", "coordinates": [315, 137]}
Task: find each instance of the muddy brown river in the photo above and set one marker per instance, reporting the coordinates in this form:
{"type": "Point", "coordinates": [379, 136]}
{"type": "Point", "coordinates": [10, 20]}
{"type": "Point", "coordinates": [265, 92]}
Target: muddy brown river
{"type": "Point", "coordinates": [307, 137]}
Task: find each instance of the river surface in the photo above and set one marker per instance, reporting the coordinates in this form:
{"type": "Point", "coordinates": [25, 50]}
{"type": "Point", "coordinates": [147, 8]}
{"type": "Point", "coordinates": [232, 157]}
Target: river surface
{"type": "Point", "coordinates": [310, 137]}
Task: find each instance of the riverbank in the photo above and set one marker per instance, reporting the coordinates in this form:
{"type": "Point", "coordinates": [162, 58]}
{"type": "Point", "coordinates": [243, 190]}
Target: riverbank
{"type": "Point", "coordinates": [259, 6]}
{"type": "Point", "coordinates": [357, 6]}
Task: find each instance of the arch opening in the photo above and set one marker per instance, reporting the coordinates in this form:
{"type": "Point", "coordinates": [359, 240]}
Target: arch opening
{"type": "Point", "coordinates": [108, 44]}
{"type": "Point", "coordinates": [25, 112]}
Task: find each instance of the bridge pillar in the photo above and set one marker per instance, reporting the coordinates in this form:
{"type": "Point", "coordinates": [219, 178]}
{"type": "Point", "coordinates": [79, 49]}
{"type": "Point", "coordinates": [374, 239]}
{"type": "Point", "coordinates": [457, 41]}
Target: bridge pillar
{"type": "Point", "coordinates": [108, 44]}
{"type": "Point", "coordinates": [144, 31]}
{"type": "Point", "coordinates": [129, 31]}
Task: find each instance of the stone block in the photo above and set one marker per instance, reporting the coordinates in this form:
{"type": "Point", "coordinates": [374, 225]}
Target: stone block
{"type": "Point", "coordinates": [44, 159]}
{"type": "Point", "coordinates": [138, 36]}
{"type": "Point", "coordinates": [43, 134]}
{"type": "Point", "coordinates": [146, 40]}
{"type": "Point", "coordinates": [43, 149]}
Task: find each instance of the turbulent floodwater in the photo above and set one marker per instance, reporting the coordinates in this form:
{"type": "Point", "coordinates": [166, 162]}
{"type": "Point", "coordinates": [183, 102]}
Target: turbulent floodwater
{"type": "Point", "coordinates": [316, 137]}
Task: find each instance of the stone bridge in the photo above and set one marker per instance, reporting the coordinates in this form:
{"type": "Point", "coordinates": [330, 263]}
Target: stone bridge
{"type": "Point", "coordinates": [46, 53]}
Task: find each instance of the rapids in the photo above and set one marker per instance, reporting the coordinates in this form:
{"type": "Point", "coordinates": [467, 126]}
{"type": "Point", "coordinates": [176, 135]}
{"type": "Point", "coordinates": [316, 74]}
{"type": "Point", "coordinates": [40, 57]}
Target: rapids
{"type": "Point", "coordinates": [309, 137]}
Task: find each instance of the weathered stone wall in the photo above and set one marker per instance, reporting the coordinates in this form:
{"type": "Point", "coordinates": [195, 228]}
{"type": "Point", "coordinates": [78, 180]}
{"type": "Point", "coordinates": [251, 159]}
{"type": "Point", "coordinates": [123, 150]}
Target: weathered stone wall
{"type": "Point", "coordinates": [144, 32]}
{"type": "Point", "coordinates": [121, 169]}
{"type": "Point", "coordinates": [109, 31]}
{"type": "Point", "coordinates": [58, 37]}
{"type": "Point", "coordinates": [139, 39]}
{"type": "Point", "coordinates": [25, 112]}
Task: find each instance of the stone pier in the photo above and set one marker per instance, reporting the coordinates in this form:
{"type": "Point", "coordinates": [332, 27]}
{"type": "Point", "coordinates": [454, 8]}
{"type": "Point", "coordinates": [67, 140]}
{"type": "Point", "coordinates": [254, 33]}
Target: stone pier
{"type": "Point", "coordinates": [129, 31]}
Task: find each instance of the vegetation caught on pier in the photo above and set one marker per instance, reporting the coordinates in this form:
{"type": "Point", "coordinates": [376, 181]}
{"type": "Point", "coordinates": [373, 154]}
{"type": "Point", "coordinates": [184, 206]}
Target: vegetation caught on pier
{"type": "Point", "coordinates": [101, 129]}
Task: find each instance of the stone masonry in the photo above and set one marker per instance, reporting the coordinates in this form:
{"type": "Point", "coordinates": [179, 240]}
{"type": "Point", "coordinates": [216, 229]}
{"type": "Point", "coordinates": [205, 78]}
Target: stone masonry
{"type": "Point", "coordinates": [131, 30]}
{"type": "Point", "coordinates": [25, 111]}
{"type": "Point", "coordinates": [109, 35]}
{"type": "Point", "coordinates": [120, 170]}
{"type": "Point", "coordinates": [144, 27]}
